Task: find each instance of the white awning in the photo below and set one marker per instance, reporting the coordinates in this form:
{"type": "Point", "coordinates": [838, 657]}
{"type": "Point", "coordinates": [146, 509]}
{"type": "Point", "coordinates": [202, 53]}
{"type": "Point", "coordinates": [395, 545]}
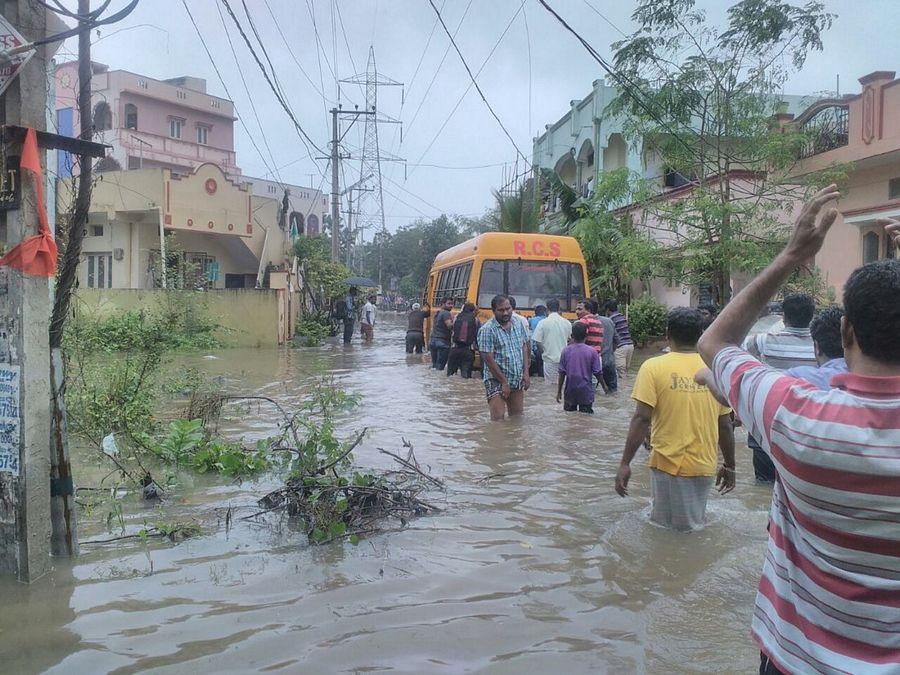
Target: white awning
{"type": "Point", "coordinates": [871, 217]}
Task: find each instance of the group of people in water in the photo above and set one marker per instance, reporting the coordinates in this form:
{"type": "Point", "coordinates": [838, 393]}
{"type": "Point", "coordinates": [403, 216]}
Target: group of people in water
{"type": "Point", "coordinates": [819, 398]}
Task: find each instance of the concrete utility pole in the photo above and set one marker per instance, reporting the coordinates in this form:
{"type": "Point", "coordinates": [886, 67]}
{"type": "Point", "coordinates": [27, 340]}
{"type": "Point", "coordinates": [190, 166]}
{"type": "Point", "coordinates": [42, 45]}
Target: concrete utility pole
{"type": "Point", "coordinates": [24, 344]}
{"type": "Point", "coordinates": [335, 187]}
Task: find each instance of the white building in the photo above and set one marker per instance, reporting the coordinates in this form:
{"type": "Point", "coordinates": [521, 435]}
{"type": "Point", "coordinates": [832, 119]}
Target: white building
{"type": "Point", "coordinates": [307, 206]}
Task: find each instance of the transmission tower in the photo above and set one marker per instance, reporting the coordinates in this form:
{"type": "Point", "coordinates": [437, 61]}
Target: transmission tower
{"type": "Point", "coordinates": [370, 206]}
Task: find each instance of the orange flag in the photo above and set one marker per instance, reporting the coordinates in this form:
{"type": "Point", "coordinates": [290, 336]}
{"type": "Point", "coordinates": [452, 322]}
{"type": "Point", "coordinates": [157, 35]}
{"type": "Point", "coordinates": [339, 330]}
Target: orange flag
{"type": "Point", "coordinates": [35, 256]}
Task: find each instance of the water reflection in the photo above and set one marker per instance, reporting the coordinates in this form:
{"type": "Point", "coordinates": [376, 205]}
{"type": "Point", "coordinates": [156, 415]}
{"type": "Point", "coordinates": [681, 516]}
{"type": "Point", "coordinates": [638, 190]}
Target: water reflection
{"type": "Point", "coordinates": [533, 564]}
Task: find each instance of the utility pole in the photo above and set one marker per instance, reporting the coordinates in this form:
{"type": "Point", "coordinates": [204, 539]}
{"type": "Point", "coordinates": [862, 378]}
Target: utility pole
{"type": "Point", "coordinates": [335, 188]}
{"type": "Point", "coordinates": [24, 344]}
{"type": "Point", "coordinates": [64, 537]}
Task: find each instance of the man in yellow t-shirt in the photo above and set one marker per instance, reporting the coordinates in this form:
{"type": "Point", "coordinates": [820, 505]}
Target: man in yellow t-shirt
{"type": "Point", "coordinates": [686, 425]}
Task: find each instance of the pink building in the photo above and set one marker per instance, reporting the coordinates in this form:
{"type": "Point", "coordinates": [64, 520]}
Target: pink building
{"type": "Point", "coordinates": [858, 131]}
{"type": "Point", "coordinates": [170, 124]}
{"type": "Point", "coordinates": [862, 131]}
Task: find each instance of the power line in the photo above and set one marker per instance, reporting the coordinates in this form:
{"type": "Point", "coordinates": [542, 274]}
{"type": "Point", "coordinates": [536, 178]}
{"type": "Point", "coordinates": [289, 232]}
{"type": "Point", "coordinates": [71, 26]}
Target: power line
{"type": "Point", "coordinates": [249, 97]}
{"type": "Point", "coordinates": [633, 91]}
{"type": "Point", "coordinates": [85, 23]}
{"type": "Point", "coordinates": [413, 194]}
{"type": "Point", "coordinates": [477, 86]}
{"type": "Point", "coordinates": [460, 100]}
{"type": "Point", "coordinates": [622, 80]}
{"type": "Point", "coordinates": [225, 86]}
{"type": "Point", "coordinates": [302, 133]}
{"type": "Point", "coordinates": [262, 46]}
{"type": "Point", "coordinates": [438, 69]}
{"type": "Point", "coordinates": [337, 6]}
{"type": "Point", "coordinates": [528, 42]}
{"type": "Point", "coordinates": [424, 51]}
{"type": "Point", "coordinates": [293, 56]}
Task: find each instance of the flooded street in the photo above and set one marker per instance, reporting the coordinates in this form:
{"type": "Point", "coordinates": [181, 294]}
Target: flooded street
{"type": "Point", "coordinates": [534, 564]}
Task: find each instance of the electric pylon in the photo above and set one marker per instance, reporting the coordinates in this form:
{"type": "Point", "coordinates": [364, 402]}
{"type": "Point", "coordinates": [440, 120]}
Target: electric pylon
{"type": "Point", "coordinates": [370, 206]}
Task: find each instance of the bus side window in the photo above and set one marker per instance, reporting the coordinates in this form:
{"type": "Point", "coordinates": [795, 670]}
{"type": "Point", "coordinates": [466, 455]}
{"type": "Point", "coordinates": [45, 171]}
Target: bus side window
{"type": "Point", "coordinates": [453, 285]}
{"type": "Point", "coordinates": [464, 275]}
{"type": "Point", "coordinates": [439, 292]}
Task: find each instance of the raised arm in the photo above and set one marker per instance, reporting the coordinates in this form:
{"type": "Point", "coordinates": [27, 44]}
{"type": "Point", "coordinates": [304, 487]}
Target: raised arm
{"type": "Point", "coordinates": [732, 325]}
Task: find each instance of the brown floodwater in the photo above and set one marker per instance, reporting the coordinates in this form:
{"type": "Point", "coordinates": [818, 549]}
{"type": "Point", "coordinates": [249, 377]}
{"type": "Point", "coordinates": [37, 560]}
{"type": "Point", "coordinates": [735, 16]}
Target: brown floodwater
{"type": "Point", "coordinates": [534, 564]}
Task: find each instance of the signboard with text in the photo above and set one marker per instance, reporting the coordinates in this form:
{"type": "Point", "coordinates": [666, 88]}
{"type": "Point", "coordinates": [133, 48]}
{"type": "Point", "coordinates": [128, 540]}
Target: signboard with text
{"type": "Point", "coordinates": [10, 66]}
{"type": "Point", "coordinates": [9, 419]}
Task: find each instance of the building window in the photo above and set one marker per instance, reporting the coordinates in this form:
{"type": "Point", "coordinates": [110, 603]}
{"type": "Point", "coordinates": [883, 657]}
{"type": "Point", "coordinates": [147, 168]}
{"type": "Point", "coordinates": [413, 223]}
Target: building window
{"type": "Point", "coordinates": [131, 116]}
{"type": "Point", "coordinates": [214, 104]}
{"type": "Point", "coordinates": [296, 222]}
{"type": "Point", "coordinates": [102, 116]}
{"type": "Point", "coordinates": [272, 189]}
{"type": "Point", "coordinates": [176, 125]}
{"type": "Point", "coordinates": [202, 134]}
{"type": "Point", "coordinates": [96, 230]}
{"type": "Point", "coordinates": [142, 84]}
{"type": "Point", "coordinates": [894, 188]}
{"type": "Point", "coordinates": [99, 272]}
{"type": "Point", "coordinates": [871, 242]}
{"type": "Point", "coordinates": [674, 179]}
{"type": "Point", "coordinates": [180, 94]}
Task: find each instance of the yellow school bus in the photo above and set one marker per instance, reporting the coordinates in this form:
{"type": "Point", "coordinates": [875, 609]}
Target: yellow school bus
{"type": "Point", "coordinates": [532, 268]}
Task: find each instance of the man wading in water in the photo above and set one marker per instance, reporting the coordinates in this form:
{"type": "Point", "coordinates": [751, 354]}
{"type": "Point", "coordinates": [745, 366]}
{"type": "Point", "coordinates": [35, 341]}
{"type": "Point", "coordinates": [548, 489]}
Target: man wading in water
{"type": "Point", "coordinates": [688, 424]}
{"type": "Point", "coordinates": [506, 352]}
{"type": "Point", "coordinates": [830, 585]}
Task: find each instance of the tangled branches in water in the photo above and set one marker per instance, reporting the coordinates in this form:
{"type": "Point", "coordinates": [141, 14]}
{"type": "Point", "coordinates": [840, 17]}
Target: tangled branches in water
{"type": "Point", "coordinates": [334, 506]}
{"type": "Point", "coordinates": [322, 490]}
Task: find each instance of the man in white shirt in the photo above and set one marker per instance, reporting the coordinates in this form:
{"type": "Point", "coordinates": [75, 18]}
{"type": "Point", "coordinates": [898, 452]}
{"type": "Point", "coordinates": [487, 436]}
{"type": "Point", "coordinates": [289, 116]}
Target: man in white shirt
{"type": "Point", "coordinates": [518, 317]}
{"type": "Point", "coordinates": [367, 323]}
{"type": "Point", "coordinates": [552, 335]}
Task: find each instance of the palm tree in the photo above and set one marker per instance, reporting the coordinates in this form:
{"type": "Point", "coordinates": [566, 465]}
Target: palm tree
{"type": "Point", "coordinates": [516, 212]}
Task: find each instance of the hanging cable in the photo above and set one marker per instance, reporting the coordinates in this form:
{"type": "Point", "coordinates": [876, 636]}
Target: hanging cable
{"type": "Point", "coordinates": [249, 97]}
{"type": "Point", "coordinates": [460, 99]}
{"type": "Point", "coordinates": [300, 131]}
{"type": "Point", "coordinates": [477, 86]}
{"type": "Point", "coordinates": [83, 26]}
{"type": "Point", "coordinates": [225, 87]}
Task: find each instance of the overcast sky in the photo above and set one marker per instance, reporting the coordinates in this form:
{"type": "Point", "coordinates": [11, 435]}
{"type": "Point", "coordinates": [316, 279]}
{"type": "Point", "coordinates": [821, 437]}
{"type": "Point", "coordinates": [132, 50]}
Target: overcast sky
{"type": "Point", "coordinates": [528, 87]}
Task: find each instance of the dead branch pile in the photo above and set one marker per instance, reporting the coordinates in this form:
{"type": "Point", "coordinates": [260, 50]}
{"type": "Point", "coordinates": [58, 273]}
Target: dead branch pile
{"type": "Point", "coordinates": [334, 507]}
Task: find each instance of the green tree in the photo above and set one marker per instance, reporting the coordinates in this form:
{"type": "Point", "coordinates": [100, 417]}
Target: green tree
{"type": "Point", "coordinates": [321, 278]}
{"type": "Point", "coordinates": [408, 253]}
{"type": "Point", "coordinates": [701, 101]}
{"type": "Point", "coordinates": [516, 211]}
{"type": "Point", "coordinates": [615, 250]}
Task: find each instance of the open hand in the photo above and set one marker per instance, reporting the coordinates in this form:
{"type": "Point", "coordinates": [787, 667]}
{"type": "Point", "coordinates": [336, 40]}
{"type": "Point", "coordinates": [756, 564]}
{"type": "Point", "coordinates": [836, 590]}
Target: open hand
{"type": "Point", "coordinates": [808, 235]}
{"type": "Point", "coordinates": [526, 381]}
{"type": "Point", "coordinates": [892, 229]}
{"type": "Point", "coordinates": [622, 478]}
{"type": "Point", "coordinates": [725, 480]}
{"type": "Point", "coordinates": [504, 391]}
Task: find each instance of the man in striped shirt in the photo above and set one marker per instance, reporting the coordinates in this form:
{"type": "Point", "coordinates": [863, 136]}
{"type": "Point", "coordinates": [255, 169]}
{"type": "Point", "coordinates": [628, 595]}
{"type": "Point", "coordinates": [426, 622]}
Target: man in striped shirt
{"type": "Point", "coordinates": [790, 347]}
{"type": "Point", "coordinates": [625, 350]}
{"type": "Point", "coordinates": [585, 314]}
{"type": "Point", "coordinates": [829, 596]}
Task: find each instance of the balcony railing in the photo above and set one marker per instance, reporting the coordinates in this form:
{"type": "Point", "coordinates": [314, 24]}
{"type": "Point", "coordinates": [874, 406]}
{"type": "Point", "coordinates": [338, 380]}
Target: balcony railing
{"type": "Point", "coordinates": [826, 130]}
{"type": "Point", "coordinates": [164, 148]}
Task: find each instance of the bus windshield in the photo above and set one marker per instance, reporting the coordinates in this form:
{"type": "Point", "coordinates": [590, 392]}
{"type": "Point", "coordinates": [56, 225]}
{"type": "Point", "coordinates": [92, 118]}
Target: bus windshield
{"type": "Point", "coordinates": [531, 283]}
